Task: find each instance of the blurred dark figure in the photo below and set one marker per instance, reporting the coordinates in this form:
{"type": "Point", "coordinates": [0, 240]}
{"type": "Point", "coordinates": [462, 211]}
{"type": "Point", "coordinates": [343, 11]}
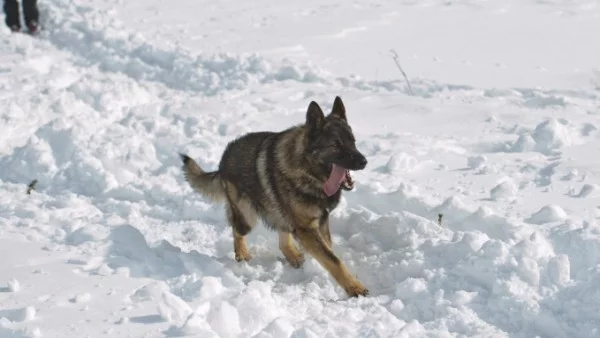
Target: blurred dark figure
{"type": "Point", "coordinates": [30, 13]}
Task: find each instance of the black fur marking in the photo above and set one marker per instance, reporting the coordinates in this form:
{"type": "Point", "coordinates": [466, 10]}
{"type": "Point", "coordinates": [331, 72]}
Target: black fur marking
{"type": "Point", "coordinates": [185, 158]}
{"type": "Point", "coordinates": [272, 169]}
{"type": "Point", "coordinates": [238, 221]}
{"type": "Point", "coordinates": [255, 198]}
{"type": "Point", "coordinates": [324, 217]}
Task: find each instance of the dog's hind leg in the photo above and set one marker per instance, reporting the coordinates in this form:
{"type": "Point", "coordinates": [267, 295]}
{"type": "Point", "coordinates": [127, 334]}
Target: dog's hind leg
{"type": "Point", "coordinates": [289, 250]}
{"type": "Point", "coordinates": [240, 247]}
{"type": "Point", "coordinates": [311, 239]}
{"type": "Point", "coordinates": [241, 227]}
{"type": "Point", "coordinates": [242, 218]}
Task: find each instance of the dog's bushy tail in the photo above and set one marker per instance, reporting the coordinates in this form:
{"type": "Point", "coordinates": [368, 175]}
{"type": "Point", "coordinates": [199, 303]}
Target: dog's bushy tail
{"type": "Point", "coordinates": [208, 184]}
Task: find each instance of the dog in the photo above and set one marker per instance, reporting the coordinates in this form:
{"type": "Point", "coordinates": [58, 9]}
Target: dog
{"type": "Point", "coordinates": [291, 180]}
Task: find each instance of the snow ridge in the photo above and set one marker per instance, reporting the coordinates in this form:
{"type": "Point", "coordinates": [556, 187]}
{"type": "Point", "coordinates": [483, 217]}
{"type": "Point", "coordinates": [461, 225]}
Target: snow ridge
{"type": "Point", "coordinates": [101, 43]}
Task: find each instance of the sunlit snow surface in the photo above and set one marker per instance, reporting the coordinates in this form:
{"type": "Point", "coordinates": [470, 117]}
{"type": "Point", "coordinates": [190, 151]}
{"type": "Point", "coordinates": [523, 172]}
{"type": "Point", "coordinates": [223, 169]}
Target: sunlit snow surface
{"type": "Point", "coordinates": [500, 136]}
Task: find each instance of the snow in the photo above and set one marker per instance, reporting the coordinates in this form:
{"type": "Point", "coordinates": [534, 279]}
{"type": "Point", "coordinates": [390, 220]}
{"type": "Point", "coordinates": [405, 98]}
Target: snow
{"type": "Point", "coordinates": [547, 214]}
{"type": "Point", "coordinates": [505, 189]}
{"type": "Point", "coordinates": [13, 285]}
{"type": "Point", "coordinates": [500, 137]}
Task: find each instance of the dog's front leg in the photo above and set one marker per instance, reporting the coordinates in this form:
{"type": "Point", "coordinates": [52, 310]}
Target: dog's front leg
{"type": "Point", "coordinates": [311, 239]}
{"type": "Point", "coordinates": [326, 233]}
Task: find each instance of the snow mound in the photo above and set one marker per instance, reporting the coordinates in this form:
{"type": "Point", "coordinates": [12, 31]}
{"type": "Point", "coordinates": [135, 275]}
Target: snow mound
{"type": "Point", "coordinates": [7, 331]}
{"type": "Point", "coordinates": [195, 325]}
{"type": "Point", "coordinates": [224, 319]}
{"type": "Point", "coordinates": [399, 163]}
{"type": "Point", "coordinates": [454, 207]}
{"type": "Point", "coordinates": [548, 214]}
{"type": "Point", "coordinates": [55, 153]}
{"type": "Point", "coordinates": [14, 285]}
{"type": "Point", "coordinates": [559, 269]}
{"type": "Point", "coordinates": [525, 143]}
{"type": "Point", "coordinates": [588, 190]}
{"type": "Point", "coordinates": [280, 327]}
{"type": "Point", "coordinates": [19, 315]}
{"type": "Point", "coordinates": [476, 162]}
{"type": "Point", "coordinates": [173, 309]}
{"type": "Point", "coordinates": [486, 221]}
{"type": "Point", "coordinates": [505, 189]}
{"type": "Point", "coordinates": [480, 165]}
{"type": "Point", "coordinates": [570, 175]}
{"type": "Point", "coordinates": [548, 137]}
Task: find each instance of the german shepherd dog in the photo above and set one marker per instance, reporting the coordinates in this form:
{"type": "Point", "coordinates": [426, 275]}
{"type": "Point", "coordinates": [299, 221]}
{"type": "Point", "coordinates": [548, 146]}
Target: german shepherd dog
{"type": "Point", "coordinates": [291, 180]}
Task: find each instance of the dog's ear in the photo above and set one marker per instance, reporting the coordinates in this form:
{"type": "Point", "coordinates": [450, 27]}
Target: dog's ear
{"type": "Point", "coordinates": [338, 108]}
{"type": "Point", "coordinates": [314, 117]}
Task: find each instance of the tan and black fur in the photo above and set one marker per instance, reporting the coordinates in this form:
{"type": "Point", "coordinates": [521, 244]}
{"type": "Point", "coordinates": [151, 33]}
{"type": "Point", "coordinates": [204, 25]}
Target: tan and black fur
{"type": "Point", "coordinates": [278, 177]}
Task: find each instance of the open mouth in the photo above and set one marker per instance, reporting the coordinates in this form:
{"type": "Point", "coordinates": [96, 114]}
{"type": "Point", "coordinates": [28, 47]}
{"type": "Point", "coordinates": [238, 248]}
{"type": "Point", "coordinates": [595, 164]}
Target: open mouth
{"type": "Point", "coordinates": [348, 183]}
{"type": "Point", "coordinates": [339, 177]}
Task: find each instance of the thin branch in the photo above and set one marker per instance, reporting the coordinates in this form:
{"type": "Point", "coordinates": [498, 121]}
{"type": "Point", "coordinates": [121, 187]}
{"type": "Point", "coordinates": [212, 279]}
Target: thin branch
{"type": "Point", "coordinates": [395, 58]}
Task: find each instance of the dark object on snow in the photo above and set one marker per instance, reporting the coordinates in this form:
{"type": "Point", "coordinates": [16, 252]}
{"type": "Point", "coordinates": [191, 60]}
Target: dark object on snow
{"type": "Point", "coordinates": [31, 187]}
{"type": "Point", "coordinates": [30, 13]}
{"type": "Point", "coordinates": [291, 179]}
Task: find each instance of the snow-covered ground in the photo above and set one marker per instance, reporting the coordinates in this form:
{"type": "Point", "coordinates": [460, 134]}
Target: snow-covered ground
{"type": "Point", "coordinates": [499, 135]}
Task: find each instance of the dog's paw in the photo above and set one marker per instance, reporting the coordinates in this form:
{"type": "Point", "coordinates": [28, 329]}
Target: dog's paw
{"type": "Point", "coordinates": [296, 260]}
{"type": "Point", "coordinates": [357, 289]}
{"type": "Point", "coordinates": [243, 255]}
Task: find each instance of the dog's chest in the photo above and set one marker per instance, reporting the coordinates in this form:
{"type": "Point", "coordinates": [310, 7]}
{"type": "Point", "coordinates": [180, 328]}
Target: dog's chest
{"type": "Point", "coordinates": [332, 202]}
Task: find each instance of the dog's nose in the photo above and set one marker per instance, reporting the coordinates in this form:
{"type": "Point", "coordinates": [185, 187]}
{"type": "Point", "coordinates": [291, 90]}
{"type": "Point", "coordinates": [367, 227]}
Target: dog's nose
{"type": "Point", "coordinates": [362, 161]}
{"type": "Point", "coordinates": [359, 160]}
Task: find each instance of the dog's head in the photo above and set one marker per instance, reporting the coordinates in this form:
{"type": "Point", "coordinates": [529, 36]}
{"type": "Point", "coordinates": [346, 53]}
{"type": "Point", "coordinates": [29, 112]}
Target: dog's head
{"type": "Point", "coordinates": [331, 146]}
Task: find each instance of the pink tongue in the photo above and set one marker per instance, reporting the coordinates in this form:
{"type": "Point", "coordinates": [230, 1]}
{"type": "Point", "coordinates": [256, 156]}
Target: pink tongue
{"type": "Point", "coordinates": [336, 177]}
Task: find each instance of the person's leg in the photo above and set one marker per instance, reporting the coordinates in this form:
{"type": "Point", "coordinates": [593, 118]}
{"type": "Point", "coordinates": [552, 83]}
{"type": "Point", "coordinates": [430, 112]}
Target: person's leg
{"type": "Point", "coordinates": [31, 15]}
{"type": "Point", "coordinates": [11, 10]}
